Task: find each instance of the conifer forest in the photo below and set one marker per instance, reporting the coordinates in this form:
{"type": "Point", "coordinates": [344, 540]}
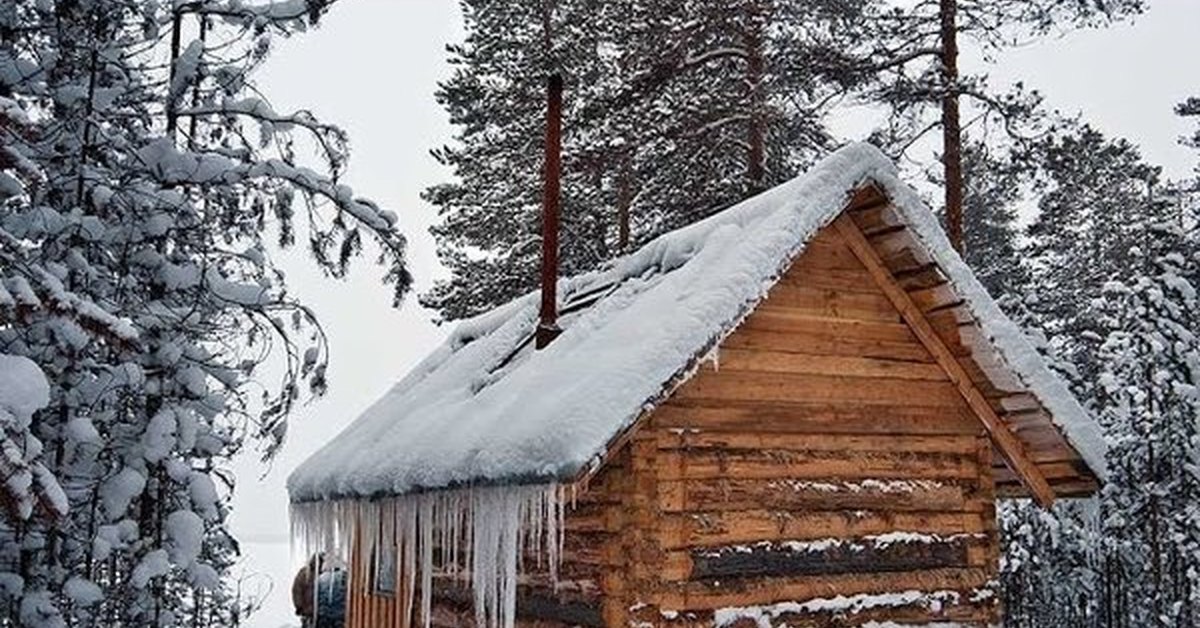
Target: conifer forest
{"type": "Point", "coordinates": [148, 185]}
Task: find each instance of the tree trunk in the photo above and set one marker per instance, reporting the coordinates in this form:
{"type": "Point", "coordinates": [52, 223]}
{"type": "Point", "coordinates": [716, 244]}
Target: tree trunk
{"type": "Point", "coordinates": [754, 77]}
{"type": "Point", "coordinates": [176, 37]}
{"type": "Point", "coordinates": [951, 130]}
{"type": "Point", "coordinates": [624, 202]}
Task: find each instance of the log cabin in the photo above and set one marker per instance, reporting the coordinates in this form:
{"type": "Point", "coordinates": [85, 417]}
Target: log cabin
{"type": "Point", "coordinates": [798, 412]}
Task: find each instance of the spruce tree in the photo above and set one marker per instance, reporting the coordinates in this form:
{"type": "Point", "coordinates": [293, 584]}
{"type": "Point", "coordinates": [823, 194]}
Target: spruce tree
{"type": "Point", "coordinates": [142, 179]}
{"type": "Point", "coordinates": [1150, 408]}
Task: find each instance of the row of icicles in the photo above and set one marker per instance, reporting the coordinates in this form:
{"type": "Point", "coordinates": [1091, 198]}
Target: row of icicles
{"type": "Point", "coordinates": [483, 533]}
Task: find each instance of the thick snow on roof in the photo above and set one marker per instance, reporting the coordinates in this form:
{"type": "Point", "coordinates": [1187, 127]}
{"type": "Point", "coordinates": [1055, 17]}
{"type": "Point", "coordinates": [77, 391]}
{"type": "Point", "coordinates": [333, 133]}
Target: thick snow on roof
{"type": "Point", "coordinates": [486, 409]}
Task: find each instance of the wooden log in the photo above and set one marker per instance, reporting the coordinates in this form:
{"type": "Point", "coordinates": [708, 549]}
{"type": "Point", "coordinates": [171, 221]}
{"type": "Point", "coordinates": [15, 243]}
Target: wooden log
{"type": "Point", "coordinates": [778, 320]}
{"type": "Point", "coordinates": [740, 593]}
{"type": "Point", "coordinates": [868, 306]}
{"type": "Point", "coordinates": [852, 556]}
{"type": "Point", "coordinates": [848, 444]}
{"type": "Point", "coordinates": [801, 388]}
{"type": "Point", "coordinates": [826, 344]}
{"type": "Point", "coordinates": [533, 607]}
{"type": "Point", "coordinates": [767, 361]}
{"type": "Point", "coordinates": [794, 494]}
{"type": "Point", "coordinates": [1074, 487]}
{"type": "Point", "coordinates": [781, 463]}
{"type": "Point", "coordinates": [850, 280]}
{"type": "Point", "coordinates": [935, 297]}
{"type": "Point", "coordinates": [616, 602]}
{"type": "Point", "coordinates": [807, 417]}
{"type": "Point", "coordinates": [826, 250]}
{"type": "Point", "coordinates": [728, 528]}
{"type": "Point", "coordinates": [966, 611]}
{"type": "Point", "coordinates": [1051, 471]}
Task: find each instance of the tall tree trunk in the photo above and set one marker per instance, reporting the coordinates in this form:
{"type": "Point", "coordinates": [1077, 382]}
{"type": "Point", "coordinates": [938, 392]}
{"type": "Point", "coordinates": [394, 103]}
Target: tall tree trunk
{"type": "Point", "coordinates": [176, 37]}
{"type": "Point", "coordinates": [624, 201]}
{"type": "Point", "coordinates": [754, 77]}
{"type": "Point", "coordinates": [195, 119]}
{"type": "Point", "coordinates": [951, 129]}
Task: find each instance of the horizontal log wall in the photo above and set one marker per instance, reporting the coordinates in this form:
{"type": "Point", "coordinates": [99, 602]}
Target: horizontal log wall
{"type": "Point", "coordinates": [824, 454]}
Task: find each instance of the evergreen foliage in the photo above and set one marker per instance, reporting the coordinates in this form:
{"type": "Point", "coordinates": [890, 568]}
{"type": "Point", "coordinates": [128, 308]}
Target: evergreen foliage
{"type": "Point", "coordinates": [993, 186]}
{"type": "Point", "coordinates": [141, 177]}
{"type": "Point", "coordinates": [717, 99]}
{"type": "Point", "coordinates": [1113, 271]}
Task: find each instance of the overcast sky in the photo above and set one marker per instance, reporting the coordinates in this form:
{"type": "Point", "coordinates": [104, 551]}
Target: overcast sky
{"type": "Point", "coordinates": [372, 67]}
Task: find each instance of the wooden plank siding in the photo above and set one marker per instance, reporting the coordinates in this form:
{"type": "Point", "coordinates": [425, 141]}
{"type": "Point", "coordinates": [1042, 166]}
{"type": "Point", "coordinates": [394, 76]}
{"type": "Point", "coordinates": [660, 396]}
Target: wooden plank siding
{"type": "Point", "coordinates": [825, 452]}
{"type": "Point", "coordinates": [1042, 442]}
{"type": "Point", "coordinates": [823, 418]}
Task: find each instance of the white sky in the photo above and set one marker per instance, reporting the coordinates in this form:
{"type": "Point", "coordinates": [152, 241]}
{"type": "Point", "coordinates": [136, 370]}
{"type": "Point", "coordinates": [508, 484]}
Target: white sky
{"type": "Point", "coordinates": [372, 68]}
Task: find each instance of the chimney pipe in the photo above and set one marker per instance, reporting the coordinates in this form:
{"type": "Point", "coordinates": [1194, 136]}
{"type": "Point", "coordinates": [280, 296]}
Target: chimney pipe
{"type": "Point", "coordinates": [547, 329]}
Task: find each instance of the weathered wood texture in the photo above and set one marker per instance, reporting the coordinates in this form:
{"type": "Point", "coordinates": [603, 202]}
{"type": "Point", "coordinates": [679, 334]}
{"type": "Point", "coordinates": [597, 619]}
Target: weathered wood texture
{"type": "Point", "coordinates": [828, 452]}
{"type": "Point", "coordinates": [367, 606]}
{"type": "Point", "coordinates": [1040, 439]}
{"type": "Point", "coordinates": [825, 454]}
{"type": "Point", "coordinates": [893, 285]}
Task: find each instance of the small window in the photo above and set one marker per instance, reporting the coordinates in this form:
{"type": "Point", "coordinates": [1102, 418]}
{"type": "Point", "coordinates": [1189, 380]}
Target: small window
{"type": "Point", "coordinates": [383, 571]}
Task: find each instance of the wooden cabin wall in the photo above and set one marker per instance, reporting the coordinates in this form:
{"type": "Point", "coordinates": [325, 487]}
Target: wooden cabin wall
{"type": "Point", "coordinates": [367, 608]}
{"type": "Point", "coordinates": [591, 570]}
{"type": "Point", "coordinates": [824, 418]}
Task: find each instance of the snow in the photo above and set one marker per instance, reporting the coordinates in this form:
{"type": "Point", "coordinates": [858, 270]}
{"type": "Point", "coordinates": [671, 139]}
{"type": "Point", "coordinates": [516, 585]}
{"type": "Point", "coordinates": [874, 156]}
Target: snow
{"type": "Point", "coordinates": [118, 491]}
{"type": "Point", "coordinates": [185, 536]}
{"type": "Point", "coordinates": [23, 389]}
{"type": "Point", "coordinates": [159, 438]}
{"type": "Point", "coordinates": [465, 416]}
{"type": "Point", "coordinates": [763, 616]}
{"type": "Point", "coordinates": [82, 591]}
{"type": "Point", "coordinates": [153, 565]}
{"type": "Point", "coordinates": [881, 486]}
{"type": "Point", "coordinates": [878, 542]}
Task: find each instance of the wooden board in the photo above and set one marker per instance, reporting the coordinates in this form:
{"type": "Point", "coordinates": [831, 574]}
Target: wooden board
{"type": "Point", "coordinates": [798, 494]}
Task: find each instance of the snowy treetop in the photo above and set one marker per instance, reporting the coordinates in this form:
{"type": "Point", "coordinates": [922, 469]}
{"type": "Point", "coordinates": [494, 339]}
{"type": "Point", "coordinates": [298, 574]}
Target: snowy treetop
{"type": "Point", "coordinates": [485, 408]}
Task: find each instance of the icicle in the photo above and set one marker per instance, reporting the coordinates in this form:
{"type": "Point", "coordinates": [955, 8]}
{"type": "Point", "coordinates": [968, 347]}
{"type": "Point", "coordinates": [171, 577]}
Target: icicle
{"type": "Point", "coordinates": [481, 532]}
{"type": "Point", "coordinates": [426, 567]}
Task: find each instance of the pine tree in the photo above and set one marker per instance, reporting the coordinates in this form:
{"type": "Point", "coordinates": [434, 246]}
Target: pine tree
{"type": "Point", "coordinates": [1190, 108]}
{"type": "Point", "coordinates": [1114, 273]}
{"type": "Point", "coordinates": [992, 189]}
{"type": "Point", "coordinates": [909, 65]}
{"type": "Point", "coordinates": [674, 110]}
{"type": "Point", "coordinates": [1093, 193]}
{"type": "Point", "coordinates": [140, 179]}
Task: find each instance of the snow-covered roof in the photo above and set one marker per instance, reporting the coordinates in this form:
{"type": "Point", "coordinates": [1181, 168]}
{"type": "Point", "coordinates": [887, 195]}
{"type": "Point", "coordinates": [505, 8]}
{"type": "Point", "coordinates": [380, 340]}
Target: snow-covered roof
{"type": "Point", "coordinates": [485, 408]}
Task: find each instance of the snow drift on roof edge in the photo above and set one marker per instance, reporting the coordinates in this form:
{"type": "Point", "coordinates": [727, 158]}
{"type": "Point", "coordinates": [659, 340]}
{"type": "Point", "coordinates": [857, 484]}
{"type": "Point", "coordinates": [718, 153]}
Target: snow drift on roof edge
{"type": "Point", "coordinates": [452, 421]}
